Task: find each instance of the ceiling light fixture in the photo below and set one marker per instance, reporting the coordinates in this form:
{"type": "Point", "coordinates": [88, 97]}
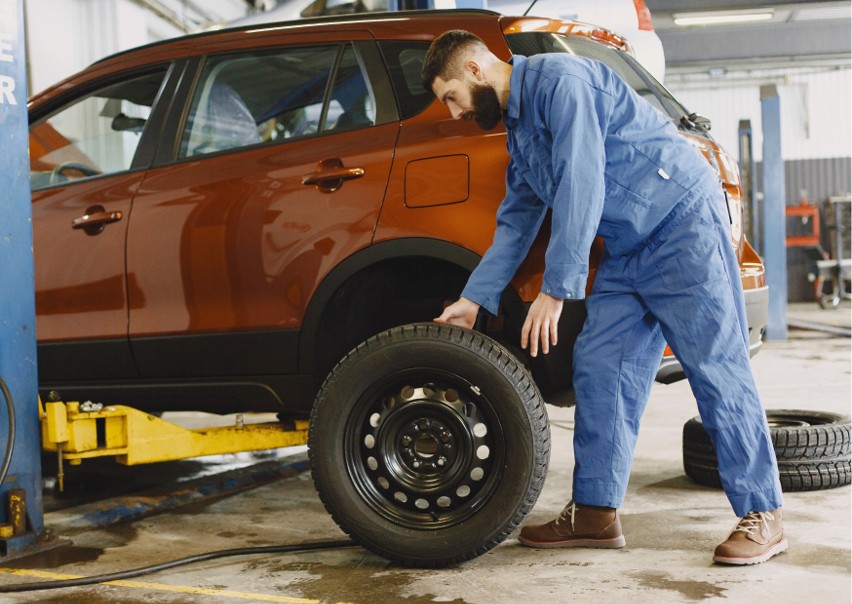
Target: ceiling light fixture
{"type": "Point", "coordinates": [722, 18]}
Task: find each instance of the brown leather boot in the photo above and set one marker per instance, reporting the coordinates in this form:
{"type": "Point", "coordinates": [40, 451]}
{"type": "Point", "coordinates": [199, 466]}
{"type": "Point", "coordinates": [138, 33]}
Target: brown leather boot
{"type": "Point", "coordinates": [757, 537]}
{"type": "Point", "coordinates": [577, 526]}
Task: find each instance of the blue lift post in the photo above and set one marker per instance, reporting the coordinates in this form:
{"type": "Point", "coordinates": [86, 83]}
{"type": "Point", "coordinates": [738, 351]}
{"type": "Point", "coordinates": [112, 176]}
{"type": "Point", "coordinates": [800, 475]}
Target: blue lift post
{"type": "Point", "coordinates": [21, 513]}
{"type": "Point", "coordinates": [749, 184]}
{"type": "Point", "coordinates": [773, 218]}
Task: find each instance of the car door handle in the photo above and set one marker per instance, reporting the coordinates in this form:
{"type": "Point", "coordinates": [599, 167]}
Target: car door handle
{"type": "Point", "coordinates": [331, 174]}
{"type": "Point", "coordinates": [95, 219]}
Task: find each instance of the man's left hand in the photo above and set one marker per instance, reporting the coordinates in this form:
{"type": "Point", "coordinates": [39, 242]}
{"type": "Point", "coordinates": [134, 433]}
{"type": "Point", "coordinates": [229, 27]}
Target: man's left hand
{"type": "Point", "coordinates": [542, 324]}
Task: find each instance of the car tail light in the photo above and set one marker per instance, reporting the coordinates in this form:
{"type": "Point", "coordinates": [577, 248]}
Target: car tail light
{"type": "Point", "coordinates": [607, 37]}
{"type": "Point", "coordinates": [644, 15]}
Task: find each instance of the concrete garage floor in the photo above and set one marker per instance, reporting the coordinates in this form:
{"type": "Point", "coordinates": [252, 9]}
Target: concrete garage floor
{"type": "Point", "coordinates": [671, 525]}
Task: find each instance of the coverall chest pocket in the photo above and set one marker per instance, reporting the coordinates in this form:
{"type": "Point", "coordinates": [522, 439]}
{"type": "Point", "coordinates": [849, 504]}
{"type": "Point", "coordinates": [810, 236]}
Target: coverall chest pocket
{"type": "Point", "coordinates": [688, 253]}
{"type": "Point", "coordinates": [535, 150]}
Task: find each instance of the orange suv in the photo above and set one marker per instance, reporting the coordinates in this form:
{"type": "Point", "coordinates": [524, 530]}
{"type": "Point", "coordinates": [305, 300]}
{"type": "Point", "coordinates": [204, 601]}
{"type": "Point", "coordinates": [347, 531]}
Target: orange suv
{"type": "Point", "coordinates": [219, 219]}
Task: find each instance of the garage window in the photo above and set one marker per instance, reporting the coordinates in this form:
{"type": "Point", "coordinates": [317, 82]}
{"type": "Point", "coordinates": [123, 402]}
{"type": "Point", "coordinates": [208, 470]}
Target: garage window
{"type": "Point", "coordinates": [272, 96]}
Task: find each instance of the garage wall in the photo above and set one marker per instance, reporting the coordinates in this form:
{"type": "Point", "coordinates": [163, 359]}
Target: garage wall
{"type": "Point", "coordinates": [816, 125]}
{"type": "Point", "coordinates": [815, 102]}
{"type": "Point", "coordinates": [63, 36]}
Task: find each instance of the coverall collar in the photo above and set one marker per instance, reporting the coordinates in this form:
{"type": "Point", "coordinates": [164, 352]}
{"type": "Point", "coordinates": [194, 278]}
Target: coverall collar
{"type": "Point", "coordinates": [516, 81]}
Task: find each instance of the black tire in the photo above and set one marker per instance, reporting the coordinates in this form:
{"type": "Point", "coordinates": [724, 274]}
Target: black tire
{"type": "Point", "coordinates": [812, 449]}
{"type": "Point", "coordinates": [429, 444]}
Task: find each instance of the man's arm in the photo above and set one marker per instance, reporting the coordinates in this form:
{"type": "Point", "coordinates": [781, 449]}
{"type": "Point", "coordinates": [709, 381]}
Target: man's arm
{"type": "Point", "coordinates": [576, 114]}
{"type": "Point", "coordinates": [519, 219]}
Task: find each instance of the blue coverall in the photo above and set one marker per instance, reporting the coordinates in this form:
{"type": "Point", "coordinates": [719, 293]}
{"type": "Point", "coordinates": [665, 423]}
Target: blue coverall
{"type": "Point", "coordinates": [583, 144]}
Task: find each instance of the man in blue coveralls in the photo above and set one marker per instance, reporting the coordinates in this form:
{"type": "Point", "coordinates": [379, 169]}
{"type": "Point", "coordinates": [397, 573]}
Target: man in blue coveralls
{"type": "Point", "coordinates": [585, 146]}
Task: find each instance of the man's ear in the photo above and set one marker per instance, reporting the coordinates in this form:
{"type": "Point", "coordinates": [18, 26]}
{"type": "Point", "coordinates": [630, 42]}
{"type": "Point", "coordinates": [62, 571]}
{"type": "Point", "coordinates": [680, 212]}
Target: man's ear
{"type": "Point", "coordinates": [473, 70]}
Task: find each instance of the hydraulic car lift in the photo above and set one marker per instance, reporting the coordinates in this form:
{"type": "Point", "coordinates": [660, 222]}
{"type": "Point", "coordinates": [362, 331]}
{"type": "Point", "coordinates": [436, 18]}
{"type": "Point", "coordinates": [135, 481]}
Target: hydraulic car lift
{"type": "Point", "coordinates": [78, 431]}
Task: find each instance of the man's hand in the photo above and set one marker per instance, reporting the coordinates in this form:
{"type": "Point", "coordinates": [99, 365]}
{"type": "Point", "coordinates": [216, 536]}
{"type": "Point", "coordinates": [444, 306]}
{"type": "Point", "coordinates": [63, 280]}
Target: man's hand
{"type": "Point", "coordinates": [462, 312]}
{"type": "Point", "coordinates": [541, 324]}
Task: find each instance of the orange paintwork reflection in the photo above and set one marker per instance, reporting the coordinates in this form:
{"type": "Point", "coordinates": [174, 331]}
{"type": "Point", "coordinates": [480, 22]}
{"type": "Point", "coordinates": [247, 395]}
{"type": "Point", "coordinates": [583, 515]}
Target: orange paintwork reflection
{"type": "Point", "coordinates": [45, 140]}
{"type": "Point", "coordinates": [236, 241]}
{"type": "Point", "coordinates": [79, 278]}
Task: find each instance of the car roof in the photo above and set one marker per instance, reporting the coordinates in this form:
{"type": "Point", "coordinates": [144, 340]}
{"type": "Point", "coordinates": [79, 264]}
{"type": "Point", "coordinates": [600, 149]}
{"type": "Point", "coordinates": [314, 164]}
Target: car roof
{"type": "Point", "coordinates": [311, 24]}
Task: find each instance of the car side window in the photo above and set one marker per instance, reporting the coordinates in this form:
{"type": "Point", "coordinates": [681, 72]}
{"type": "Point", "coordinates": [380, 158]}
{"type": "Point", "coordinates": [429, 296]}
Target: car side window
{"type": "Point", "coordinates": [260, 97]}
{"type": "Point", "coordinates": [404, 59]}
{"type": "Point", "coordinates": [94, 135]}
{"type": "Point", "coordinates": [352, 104]}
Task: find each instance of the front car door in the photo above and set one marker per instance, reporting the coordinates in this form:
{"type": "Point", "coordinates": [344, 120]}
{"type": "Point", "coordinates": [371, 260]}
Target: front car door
{"type": "Point", "coordinates": [85, 168]}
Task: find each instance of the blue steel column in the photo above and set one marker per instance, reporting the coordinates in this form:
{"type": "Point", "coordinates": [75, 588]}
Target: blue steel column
{"type": "Point", "coordinates": [749, 184]}
{"type": "Point", "coordinates": [773, 220]}
{"type": "Point", "coordinates": [17, 300]}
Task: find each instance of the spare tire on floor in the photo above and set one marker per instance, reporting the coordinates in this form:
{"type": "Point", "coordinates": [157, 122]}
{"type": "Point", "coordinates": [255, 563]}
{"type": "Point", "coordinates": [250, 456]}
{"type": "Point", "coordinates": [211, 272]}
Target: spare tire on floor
{"type": "Point", "coordinates": [429, 444]}
{"type": "Point", "coordinates": [812, 449]}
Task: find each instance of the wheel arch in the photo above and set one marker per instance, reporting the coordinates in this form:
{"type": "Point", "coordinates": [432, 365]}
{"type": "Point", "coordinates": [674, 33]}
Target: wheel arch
{"type": "Point", "coordinates": [374, 258]}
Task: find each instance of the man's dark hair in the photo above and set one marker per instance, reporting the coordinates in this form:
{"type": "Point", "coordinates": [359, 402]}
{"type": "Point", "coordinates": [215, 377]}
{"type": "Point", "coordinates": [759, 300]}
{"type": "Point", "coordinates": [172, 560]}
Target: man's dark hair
{"type": "Point", "coordinates": [445, 58]}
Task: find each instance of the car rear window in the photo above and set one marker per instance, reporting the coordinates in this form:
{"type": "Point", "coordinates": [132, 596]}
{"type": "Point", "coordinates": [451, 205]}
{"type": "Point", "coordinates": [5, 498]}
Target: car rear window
{"type": "Point", "coordinates": [533, 43]}
{"type": "Point", "coordinates": [404, 59]}
{"type": "Point", "coordinates": [270, 96]}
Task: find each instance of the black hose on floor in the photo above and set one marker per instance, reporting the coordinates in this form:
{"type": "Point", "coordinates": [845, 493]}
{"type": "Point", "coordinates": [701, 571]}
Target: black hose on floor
{"type": "Point", "coordinates": [129, 574]}
{"type": "Point", "coordinates": [10, 442]}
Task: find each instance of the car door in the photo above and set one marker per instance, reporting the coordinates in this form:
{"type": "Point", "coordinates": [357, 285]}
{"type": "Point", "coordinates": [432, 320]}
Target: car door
{"type": "Point", "coordinates": [85, 168]}
{"type": "Point", "coordinates": [277, 172]}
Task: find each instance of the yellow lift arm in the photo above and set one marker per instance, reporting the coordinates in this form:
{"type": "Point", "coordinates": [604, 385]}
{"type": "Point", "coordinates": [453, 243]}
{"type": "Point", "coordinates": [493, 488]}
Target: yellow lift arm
{"type": "Point", "coordinates": [77, 432]}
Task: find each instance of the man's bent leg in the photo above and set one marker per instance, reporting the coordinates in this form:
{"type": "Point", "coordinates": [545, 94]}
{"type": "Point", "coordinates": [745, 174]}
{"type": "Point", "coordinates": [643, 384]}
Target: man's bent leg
{"type": "Point", "coordinates": [615, 361]}
{"type": "Point", "coordinates": [693, 287]}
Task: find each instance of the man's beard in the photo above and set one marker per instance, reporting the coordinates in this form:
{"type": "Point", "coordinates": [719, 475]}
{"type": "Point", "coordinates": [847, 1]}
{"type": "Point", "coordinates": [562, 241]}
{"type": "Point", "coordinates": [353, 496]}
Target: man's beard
{"type": "Point", "coordinates": [486, 106]}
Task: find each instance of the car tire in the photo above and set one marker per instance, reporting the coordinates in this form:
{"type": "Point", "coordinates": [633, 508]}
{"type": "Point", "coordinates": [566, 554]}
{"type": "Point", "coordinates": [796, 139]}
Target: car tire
{"type": "Point", "coordinates": [429, 444]}
{"type": "Point", "coordinates": [812, 449]}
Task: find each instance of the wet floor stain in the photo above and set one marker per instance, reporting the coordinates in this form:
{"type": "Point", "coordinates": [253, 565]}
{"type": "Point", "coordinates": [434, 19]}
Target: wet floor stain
{"type": "Point", "coordinates": [81, 549]}
{"type": "Point", "coordinates": [369, 582]}
{"type": "Point", "coordinates": [811, 556]}
{"type": "Point", "coordinates": [694, 590]}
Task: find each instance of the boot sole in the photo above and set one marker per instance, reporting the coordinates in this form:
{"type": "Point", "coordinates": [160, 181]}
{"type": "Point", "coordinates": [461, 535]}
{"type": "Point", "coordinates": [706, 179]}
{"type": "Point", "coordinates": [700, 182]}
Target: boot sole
{"type": "Point", "coordinates": [772, 551]}
{"type": "Point", "coordinates": [614, 543]}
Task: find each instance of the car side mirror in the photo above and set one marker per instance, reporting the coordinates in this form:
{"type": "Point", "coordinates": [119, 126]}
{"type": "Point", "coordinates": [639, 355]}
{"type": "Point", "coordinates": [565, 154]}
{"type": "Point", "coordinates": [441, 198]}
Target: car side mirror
{"type": "Point", "coordinates": [699, 122]}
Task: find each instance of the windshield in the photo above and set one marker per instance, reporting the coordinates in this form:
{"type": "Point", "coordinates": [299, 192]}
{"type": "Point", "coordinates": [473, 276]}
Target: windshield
{"type": "Point", "coordinates": [533, 43]}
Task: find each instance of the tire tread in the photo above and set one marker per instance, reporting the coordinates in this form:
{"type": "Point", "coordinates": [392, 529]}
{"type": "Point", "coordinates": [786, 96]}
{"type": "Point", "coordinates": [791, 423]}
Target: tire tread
{"type": "Point", "coordinates": [508, 365]}
{"type": "Point", "coordinates": [809, 458]}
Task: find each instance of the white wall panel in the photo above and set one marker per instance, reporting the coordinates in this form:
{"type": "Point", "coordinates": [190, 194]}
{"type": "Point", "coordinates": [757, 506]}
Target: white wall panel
{"type": "Point", "coordinates": [64, 36]}
{"type": "Point", "coordinates": [815, 108]}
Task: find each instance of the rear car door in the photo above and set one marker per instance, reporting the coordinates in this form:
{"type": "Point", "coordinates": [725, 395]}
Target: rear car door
{"type": "Point", "coordinates": [277, 172]}
{"type": "Point", "coordinates": [87, 160]}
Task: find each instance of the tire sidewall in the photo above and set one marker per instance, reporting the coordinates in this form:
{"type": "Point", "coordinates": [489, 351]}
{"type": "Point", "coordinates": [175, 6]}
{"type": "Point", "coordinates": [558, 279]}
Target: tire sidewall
{"type": "Point", "coordinates": [809, 457]}
{"type": "Point", "coordinates": [355, 376]}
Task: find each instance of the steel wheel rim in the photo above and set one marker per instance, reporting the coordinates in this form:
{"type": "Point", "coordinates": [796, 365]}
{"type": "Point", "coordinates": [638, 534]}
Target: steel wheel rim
{"type": "Point", "coordinates": [424, 448]}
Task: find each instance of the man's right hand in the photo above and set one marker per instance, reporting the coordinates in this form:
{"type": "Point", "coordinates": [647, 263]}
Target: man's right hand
{"type": "Point", "coordinates": [461, 312]}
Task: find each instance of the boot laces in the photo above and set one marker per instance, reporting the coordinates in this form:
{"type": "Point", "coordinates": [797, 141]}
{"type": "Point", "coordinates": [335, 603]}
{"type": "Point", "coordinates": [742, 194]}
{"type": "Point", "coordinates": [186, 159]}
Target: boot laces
{"type": "Point", "coordinates": [752, 522]}
{"type": "Point", "coordinates": [567, 514]}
